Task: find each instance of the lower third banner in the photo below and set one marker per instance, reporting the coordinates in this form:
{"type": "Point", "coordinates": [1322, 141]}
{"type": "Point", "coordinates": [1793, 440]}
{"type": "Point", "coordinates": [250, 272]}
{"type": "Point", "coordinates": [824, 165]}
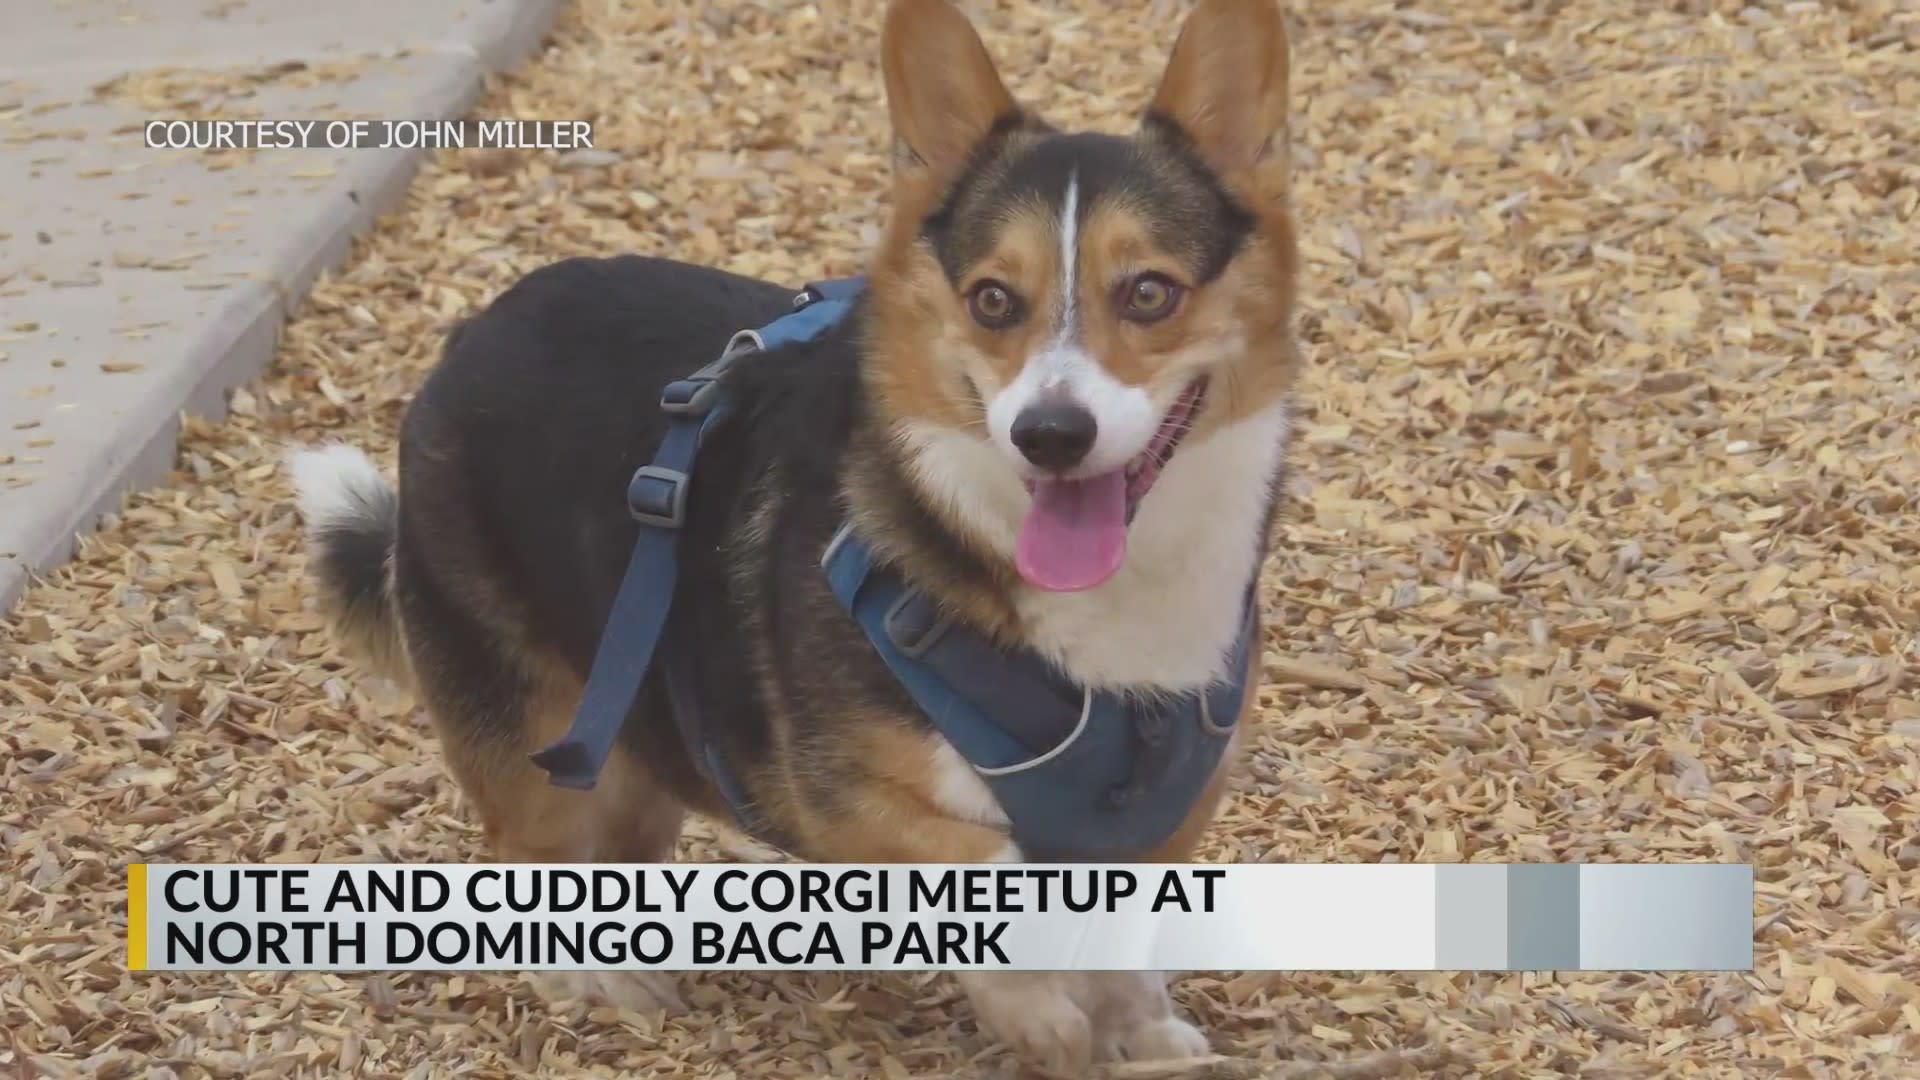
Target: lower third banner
{"type": "Point", "coordinates": [1137, 917]}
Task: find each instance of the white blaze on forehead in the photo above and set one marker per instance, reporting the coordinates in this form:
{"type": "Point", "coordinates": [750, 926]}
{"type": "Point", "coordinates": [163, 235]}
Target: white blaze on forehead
{"type": "Point", "coordinates": [1069, 257]}
{"type": "Point", "coordinates": [1124, 416]}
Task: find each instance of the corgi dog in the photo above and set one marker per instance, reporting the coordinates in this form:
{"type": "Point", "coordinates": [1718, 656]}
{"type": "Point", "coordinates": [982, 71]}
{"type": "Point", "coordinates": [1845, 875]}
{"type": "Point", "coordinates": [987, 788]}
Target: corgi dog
{"type": "Point", "coordinates": [1056, 410]}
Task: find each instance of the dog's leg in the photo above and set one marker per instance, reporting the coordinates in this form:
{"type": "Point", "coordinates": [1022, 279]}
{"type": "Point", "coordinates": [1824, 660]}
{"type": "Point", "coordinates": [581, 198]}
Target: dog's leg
{"type": "Point", "coordinates": [1135, 1017]}
{"type": "Point", "coordinates": [1068, 1019]}
{"type": "Point", "coordinates": [626, 818]}
{"type": "Point", "coordinates": [1045, 1017]}
{"type": "Point", "coordinates": [918, 802]}
{"type": "Point", "coordinates": [490, 720]}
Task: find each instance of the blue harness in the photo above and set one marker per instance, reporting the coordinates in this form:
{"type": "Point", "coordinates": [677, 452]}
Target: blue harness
{"type": "Point", "coordinates": [1082, 775]}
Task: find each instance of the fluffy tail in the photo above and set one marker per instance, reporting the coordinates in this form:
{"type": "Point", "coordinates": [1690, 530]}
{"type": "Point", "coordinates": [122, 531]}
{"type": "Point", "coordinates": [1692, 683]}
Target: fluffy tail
{"type": "Point", "coordinates": [352, 517]}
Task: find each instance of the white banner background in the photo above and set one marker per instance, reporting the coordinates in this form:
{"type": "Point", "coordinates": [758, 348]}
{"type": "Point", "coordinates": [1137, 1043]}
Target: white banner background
{"type": "Point", "coordinates": [1315, 917]}
{"type": "Point", "coordinates": [1305, 917]}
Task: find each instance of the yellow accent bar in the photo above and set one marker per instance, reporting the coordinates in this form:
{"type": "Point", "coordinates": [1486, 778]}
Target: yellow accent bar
{"type": "Point", "coordinates": [136, 916]}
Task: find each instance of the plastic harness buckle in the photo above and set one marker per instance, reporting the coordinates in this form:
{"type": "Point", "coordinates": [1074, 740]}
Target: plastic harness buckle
{"type": "Point", "coordinates": [695, 395]}
{"type": "Point", "coordinates": [657, 496]}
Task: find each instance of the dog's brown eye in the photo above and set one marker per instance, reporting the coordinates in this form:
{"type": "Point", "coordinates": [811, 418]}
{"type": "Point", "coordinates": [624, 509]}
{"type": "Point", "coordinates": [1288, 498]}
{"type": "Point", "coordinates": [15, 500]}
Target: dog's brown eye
{"type": "Point", "coordinates": [1150, 298]}
{"type": "Point", "coordinates": [993, 305]}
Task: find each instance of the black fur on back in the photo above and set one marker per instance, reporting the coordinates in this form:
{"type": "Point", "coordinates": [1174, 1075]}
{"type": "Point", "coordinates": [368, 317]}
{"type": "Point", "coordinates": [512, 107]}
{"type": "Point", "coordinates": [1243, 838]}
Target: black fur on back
{"type": "Point", "coordinates": [515, 458]}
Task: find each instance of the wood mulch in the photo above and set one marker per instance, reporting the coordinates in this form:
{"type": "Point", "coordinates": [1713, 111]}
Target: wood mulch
{"type": "Point", "coordinates": [1604, 546]}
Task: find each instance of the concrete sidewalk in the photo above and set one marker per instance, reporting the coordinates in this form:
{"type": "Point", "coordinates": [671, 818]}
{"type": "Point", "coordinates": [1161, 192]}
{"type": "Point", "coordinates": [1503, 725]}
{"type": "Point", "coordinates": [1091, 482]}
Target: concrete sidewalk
{"type": "Point", "coordinates": [136, 284]}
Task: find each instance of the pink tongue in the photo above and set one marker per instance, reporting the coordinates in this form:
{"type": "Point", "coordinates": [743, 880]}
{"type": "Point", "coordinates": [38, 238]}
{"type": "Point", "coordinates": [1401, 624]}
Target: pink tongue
{"type": "Point", "coordinates": [1075, 533]}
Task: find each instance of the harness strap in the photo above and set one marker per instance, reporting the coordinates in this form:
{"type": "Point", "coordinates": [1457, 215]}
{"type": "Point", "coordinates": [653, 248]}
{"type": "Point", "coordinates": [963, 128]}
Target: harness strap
{"type": "Point", "coordinates": [657, 500]}
{"type": "Point", "coordinates": [1080, 772]}
{"type": "Point", "coordinates": [1034, 707]}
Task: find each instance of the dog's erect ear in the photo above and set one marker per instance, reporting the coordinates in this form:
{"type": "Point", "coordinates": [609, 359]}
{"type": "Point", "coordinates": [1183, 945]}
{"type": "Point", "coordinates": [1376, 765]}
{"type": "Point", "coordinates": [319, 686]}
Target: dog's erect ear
{"type": "Point", "coordinates": [1226, 85]}
{"type": "Point", "coordinates": [943, 93]}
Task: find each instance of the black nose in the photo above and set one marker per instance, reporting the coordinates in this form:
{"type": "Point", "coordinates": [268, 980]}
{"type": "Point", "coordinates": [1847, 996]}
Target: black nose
{"type": "Point", "coordinates": [1054, 434]}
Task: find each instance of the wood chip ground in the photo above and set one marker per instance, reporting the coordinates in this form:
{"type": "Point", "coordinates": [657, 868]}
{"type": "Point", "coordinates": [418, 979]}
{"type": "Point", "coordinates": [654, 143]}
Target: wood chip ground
{"type": "Point", "coordinates": [1604, 545]}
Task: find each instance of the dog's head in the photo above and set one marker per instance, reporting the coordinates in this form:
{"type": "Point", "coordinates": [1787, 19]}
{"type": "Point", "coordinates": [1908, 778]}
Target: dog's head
{"type": "Point", "coordinates": [1056, 315]}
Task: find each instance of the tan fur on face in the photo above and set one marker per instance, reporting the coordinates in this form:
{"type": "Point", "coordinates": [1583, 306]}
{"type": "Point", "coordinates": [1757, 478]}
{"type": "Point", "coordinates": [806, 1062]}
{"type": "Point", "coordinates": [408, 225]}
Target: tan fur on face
{"type": "Point", "coordinates": [1026, 260]}
{"type": "Point", "coordinates": [940, 364]}
{"type": "Point", "coordinates": [1117, 245]}
{"type": "Point", "coordinates": [944, 97]}
{"type": "Point", "coordinates": [1236, 328]}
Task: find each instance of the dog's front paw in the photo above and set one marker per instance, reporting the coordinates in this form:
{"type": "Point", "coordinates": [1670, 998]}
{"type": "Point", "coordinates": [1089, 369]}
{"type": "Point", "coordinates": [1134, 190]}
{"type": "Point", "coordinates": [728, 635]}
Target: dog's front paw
{"type": "Point", "coordinates": [634, 991]}
{"type": "Point", "coordinates": [1135, 1019]}
{"type": "Point", "coordinates": [1166, 1039]}
{"type": "Point", "coordinates": [1037, 1015]}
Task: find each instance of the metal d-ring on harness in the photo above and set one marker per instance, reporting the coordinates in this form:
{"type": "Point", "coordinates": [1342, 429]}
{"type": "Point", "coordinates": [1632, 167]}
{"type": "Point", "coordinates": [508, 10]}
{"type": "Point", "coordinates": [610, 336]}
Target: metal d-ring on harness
{"type": "Point", "coordinates": [1081, 773]}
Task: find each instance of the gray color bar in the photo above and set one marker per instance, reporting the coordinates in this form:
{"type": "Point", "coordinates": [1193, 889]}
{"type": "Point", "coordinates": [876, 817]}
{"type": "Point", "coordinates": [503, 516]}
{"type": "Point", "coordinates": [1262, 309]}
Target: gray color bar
{"type": "Point", "coordinates": [1470, 917]}
{"type": "Point", "coordinates": [1543, 917]}
{"type": "Point", "coordinates": [1666, 918]}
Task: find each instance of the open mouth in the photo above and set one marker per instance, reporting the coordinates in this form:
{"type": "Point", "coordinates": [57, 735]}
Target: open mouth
{"type": "Point", "coordinates": [1074, 536]}
{"type": "Point", "coordinates": [1145, 467]}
